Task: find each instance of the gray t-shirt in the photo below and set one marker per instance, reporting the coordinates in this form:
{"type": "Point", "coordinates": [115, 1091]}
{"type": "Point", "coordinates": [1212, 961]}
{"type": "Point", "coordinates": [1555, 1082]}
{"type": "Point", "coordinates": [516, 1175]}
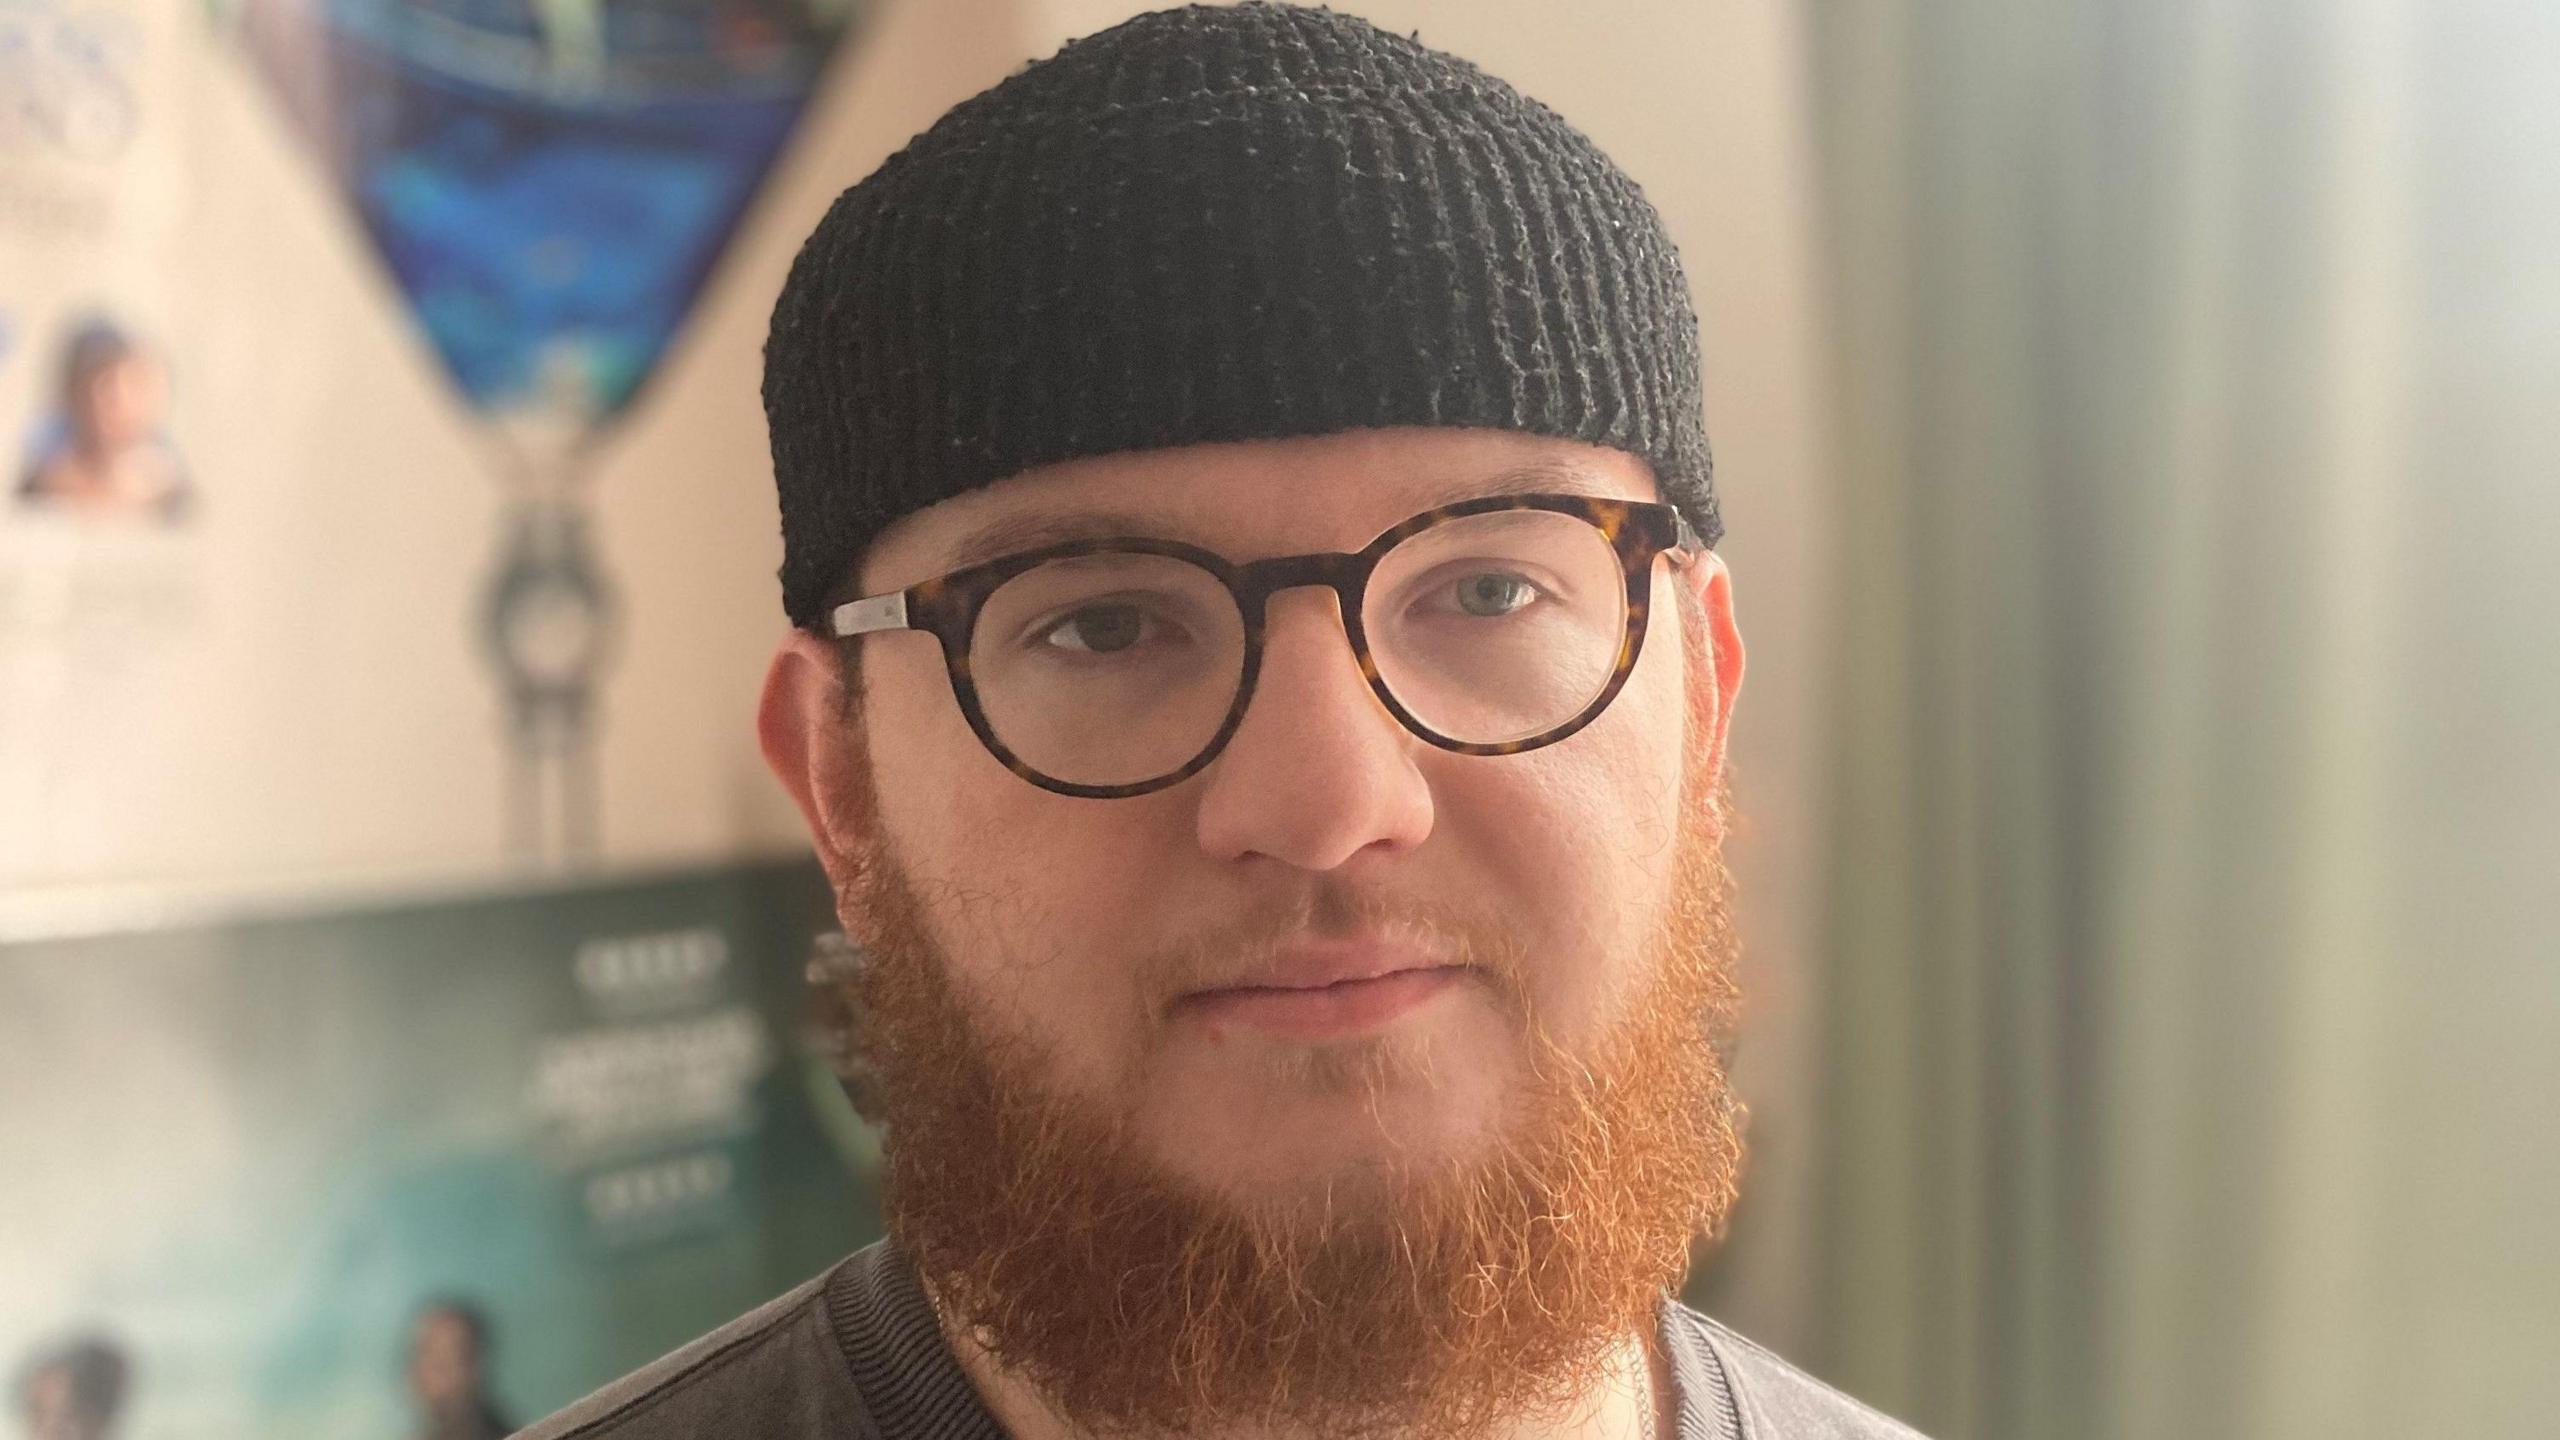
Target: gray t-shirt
{"type": "Point", "coordinates": [856, 1354]}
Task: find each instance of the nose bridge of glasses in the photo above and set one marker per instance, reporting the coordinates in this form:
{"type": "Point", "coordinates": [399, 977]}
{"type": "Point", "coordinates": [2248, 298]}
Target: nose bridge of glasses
{"type": "Point", "coordinates": [1257, 584]}
{"type": "Point", "coordinates": [1343, 574]}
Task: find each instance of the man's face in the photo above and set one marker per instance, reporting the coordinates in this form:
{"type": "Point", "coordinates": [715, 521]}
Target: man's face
{"type": "Point", "coordinates": [444, 1361]}
{"type": "Point", "coordinates": [57, 1410]}
{"type": "Point", "coordinates": [1134, 944]}
{"type": "Point", "coordinates": [1160, 1174]}
{"type": "Point", "coordinates": [52, 1407]}
{"type": "Point", "coordinates": [121, 404]}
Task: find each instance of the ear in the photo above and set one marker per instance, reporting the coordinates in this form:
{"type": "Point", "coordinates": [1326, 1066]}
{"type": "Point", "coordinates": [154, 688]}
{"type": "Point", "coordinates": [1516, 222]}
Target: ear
{"type": "Point", "coordinates": [1712, 693]}
{"type": "Point", "coordinates": [800, 726]}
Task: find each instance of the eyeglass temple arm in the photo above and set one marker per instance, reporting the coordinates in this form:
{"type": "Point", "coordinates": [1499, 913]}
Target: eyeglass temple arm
{"type": "Point", "coordinates": [874, 612]}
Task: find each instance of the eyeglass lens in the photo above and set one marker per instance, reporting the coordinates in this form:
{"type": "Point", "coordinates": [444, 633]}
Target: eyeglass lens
{"type": "Point", "coordinates": [1117, 668]}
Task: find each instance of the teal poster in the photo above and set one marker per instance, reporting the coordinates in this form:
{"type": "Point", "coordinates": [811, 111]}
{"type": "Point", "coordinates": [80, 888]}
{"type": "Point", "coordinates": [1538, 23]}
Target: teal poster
{"type": "Point", "coordinates": [286, 1175]}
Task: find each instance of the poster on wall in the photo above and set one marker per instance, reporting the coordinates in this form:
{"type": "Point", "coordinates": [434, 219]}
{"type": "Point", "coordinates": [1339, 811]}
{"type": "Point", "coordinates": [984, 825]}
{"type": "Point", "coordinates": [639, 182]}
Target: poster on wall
{"type": "Point", "coordinates": [98, 490]}
{"type": "Point", "coordinates": [336, 1174]}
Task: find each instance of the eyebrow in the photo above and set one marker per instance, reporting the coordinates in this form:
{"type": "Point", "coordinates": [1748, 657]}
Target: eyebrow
{"type": "Point", "coordinates": [1014, 534]}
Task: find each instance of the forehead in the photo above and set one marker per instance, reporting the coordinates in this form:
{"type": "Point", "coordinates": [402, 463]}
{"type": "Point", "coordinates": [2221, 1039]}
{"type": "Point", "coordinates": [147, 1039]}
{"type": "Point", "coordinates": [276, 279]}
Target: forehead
{"type": "Point", "coordinates": [1249, 499]}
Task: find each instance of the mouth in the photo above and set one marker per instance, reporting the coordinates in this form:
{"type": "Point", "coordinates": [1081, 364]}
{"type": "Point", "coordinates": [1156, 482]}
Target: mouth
{"type": "Point", "coordinates": [1330, 992]}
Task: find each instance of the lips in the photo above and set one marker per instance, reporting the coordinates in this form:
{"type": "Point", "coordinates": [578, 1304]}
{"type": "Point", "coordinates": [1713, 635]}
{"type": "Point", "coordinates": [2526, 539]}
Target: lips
{"type": "Point", "coordinates": [1323, 991]}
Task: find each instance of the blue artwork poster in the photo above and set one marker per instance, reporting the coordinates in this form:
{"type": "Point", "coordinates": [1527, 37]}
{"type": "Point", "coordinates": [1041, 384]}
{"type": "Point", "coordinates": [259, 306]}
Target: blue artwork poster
{"type": "Point", "coordinates": [549, 182]}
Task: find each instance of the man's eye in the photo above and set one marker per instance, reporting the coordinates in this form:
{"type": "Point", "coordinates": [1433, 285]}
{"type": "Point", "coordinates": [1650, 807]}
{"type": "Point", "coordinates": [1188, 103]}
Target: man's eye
{"type": "Point", "coordinates": [1494, 594]}
{"type": "Point", "coordinates": [1102, 629]}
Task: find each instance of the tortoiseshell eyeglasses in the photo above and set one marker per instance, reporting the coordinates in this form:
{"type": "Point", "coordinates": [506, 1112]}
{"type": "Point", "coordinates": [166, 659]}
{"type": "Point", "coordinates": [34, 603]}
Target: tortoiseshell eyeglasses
{"type": "Point", "coordinates": [1109, 668]}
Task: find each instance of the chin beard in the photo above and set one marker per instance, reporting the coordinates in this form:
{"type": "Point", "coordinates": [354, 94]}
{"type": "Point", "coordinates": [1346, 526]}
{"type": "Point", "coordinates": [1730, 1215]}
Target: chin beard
{"type": "Point", "coordinates": [1440, 1300]}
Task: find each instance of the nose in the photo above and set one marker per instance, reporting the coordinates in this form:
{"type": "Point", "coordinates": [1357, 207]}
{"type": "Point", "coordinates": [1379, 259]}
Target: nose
{"type": "Point", "coordinates": [1318, 771]}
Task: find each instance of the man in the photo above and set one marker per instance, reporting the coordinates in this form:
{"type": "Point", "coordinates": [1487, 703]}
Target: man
{"type": "Point", "coordinates": [448, 1373]}
{"type": "Point", "coordinates": [1260, 688]}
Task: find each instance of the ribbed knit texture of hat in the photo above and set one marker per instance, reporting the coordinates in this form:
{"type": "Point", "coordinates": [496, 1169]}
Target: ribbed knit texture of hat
{"type": "Point", "coordinates": [1214, 224]}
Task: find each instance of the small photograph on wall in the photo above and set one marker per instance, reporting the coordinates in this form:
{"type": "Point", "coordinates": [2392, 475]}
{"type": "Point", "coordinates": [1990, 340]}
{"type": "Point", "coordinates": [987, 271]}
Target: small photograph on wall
{"type": "Point", "coordinates": [100, 448]}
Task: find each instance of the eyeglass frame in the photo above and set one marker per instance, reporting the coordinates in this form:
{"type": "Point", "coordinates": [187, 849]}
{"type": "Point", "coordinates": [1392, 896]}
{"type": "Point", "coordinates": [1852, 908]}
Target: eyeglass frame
{"type": "Point", "coordinates": [947, 607]}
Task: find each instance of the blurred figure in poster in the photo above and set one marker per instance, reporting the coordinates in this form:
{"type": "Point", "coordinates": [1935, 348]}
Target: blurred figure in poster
{"type": "Point", "coordinates": [74, 1391]}
{"type": "Point", "coordinates": [104, 453]}
{"type": "Point", "coordinates": [449, 1373]}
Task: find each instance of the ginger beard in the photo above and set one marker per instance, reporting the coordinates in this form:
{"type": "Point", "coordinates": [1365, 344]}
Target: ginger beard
{"type": "Point", "coordinates": [1440, 1300]}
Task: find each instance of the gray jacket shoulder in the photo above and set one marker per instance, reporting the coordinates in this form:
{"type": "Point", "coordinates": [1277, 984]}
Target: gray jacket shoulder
{"type": "Point", "coordinates": [775, 1370]}
{"type": "Point", "coordinates": [1777, 1401]}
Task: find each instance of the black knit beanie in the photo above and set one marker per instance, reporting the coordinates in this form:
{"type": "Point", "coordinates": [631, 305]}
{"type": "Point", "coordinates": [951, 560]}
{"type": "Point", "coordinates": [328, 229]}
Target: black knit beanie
{"type": "Point", "coordinates": [1217, 223]}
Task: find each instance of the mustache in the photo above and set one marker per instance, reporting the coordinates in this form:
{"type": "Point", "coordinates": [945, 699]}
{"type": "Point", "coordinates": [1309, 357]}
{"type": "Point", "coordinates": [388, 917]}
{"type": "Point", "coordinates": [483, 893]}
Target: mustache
{"type": "Point", "coordinates": [1233, 951]}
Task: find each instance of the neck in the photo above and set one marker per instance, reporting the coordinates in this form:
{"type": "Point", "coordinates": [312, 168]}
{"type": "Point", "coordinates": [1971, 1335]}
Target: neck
{"type": "Point", "coordinates": [1632, 1401]}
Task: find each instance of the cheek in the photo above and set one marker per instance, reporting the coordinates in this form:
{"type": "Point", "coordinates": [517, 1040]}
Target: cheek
{"type": "Point", "coordinates": [1029, 895]}
{"type": "Point", "coordinates": [919, 747]}
{"type": "Point", "coordinates": [1586, 834]}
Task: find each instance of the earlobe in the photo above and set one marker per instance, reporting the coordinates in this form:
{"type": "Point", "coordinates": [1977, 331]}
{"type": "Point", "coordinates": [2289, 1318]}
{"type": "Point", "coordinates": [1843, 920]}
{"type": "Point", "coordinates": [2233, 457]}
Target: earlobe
{"type": "Point", "coordinates": [800, 729]}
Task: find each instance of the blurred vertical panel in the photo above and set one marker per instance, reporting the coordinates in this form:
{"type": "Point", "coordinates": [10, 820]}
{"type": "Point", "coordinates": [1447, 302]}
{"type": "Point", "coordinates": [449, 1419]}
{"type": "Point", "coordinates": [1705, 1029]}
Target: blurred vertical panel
{"type": "Point", "coordinates": [2192, 916]}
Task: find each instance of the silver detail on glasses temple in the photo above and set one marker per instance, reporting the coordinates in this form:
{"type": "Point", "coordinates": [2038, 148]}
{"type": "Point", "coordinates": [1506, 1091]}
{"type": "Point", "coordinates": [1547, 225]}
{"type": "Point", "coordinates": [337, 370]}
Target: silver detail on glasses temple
{"type": "Point", "coordinates": [1688, 534]}
{"type": "Point", "coordinates": [878, 612]}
